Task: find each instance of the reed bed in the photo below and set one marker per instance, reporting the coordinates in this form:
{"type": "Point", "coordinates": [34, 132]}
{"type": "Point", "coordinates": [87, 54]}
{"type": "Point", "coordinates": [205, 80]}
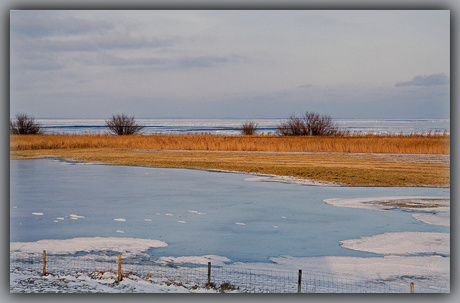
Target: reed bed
{"type": "Point", "coordinates": [431, 143]}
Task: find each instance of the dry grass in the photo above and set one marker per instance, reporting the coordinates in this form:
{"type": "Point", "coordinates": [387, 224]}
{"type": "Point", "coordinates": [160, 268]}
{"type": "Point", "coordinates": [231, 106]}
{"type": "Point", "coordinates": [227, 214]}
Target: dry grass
{"type": "Point", "coordinates": [395, 144]}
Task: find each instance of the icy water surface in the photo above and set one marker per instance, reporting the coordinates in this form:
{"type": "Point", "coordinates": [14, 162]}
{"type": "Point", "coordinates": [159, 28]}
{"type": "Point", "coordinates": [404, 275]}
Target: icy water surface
{"type": "Point", "coordinates": [196, 212]}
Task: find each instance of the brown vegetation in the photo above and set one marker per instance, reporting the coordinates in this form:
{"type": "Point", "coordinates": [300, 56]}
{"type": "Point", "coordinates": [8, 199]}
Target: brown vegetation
{"type": "Point", "coordinates": [395, 144]}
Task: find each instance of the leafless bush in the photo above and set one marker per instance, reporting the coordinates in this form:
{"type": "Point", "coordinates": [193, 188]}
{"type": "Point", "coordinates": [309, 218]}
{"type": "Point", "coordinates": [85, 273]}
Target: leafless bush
{"type": "Point", "coordinates": [123, 125]}
{"type": "Point", "coordinates": [249, 128]}
{"type": "Point", "coordinates": [310, 124]}
{"type": "Point", "coordinates": [24, 125]}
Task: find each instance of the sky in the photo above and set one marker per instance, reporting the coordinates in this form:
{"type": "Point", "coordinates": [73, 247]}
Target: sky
{"type": "Point", "coordinates": [387, 64]}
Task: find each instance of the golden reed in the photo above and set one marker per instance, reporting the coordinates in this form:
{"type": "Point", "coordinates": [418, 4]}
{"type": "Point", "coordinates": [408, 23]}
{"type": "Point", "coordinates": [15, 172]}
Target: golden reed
{"type": "Point", "coordinates": [437, 143]}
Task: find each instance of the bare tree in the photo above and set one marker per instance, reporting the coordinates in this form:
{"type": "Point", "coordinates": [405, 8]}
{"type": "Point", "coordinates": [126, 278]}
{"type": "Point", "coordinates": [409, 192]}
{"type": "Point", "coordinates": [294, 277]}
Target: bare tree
{"type": "Point", "coordinates": [249, 128]}
{"type": "Point", "coordinates": [25, 125]}
{"type": "Point", "coordinates": [310, 124]}
{"type": "Point", "coordinates": [123, 125]}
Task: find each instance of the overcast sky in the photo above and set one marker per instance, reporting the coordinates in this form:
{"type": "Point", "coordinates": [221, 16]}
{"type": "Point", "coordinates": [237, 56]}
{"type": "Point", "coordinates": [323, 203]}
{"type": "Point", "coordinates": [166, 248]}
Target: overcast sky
{"type": "Point", "coordinates": [241, 64]}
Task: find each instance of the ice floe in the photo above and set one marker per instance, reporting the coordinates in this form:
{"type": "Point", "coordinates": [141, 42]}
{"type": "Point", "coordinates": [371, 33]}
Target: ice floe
{"type": "Point", "coordinates": [442, 218]}
{"type": "Point", "coordinates": [437, 209]}
{"type": "Point", "coordinates": [127, 246]}
{"type": "Point", "coordinates": [402, 243]}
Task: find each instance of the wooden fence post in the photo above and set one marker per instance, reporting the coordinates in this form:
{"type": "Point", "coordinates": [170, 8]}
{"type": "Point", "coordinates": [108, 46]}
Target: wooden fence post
{"type": "Point", "coordinates": [119, 268]}
{"type": "Point", "coordinates": [299, 287]}
{"type": "Point", "coordinates": [412, 288]}
{"type": "Point", "coordinates": [44, 262]}
{"type": "Point", "coordinates": [208, 285]}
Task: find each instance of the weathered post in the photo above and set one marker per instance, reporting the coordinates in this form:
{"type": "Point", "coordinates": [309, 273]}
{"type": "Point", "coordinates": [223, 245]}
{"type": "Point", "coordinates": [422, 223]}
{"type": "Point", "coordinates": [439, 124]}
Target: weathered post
{"type": "Point", "coordinates": [299, 287]}
{"type": "Point", "coordinates": [412, 288]}
{"type": "Point", "coordinates": [44, 262]}
{"type": "Point", "coordinates": [208, 285]}
{"type": "Point", "coordinates": [119, 268]}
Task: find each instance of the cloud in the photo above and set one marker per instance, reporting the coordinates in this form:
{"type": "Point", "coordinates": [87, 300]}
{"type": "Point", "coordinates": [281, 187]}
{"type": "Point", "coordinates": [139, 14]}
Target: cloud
{"type": "Point", "coordinates": [45, 25]}
{"type": "Point", "coordinates": [430, 80]}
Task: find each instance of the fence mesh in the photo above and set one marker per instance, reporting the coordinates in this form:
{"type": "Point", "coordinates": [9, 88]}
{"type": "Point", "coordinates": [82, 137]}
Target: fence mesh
{"type": "Point", "coordinates": [223, 279]}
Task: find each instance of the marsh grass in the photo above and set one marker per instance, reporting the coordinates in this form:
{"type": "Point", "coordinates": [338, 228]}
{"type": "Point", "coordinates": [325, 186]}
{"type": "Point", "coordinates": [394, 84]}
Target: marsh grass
{"type": "Point", "coordinates": [437, 143]}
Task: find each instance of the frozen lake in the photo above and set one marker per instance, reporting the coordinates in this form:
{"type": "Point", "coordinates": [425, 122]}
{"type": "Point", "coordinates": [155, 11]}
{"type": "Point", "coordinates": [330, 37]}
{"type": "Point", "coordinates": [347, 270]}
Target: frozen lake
{"type": "Point", "coordinates": [232, 215]}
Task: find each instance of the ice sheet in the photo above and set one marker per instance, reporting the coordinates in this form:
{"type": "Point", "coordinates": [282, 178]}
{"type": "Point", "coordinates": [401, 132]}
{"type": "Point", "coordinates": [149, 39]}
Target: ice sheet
{"type": "Point", "coordinates": [402, 243]}
{"type": "Point", "coordinates": [127, 246]}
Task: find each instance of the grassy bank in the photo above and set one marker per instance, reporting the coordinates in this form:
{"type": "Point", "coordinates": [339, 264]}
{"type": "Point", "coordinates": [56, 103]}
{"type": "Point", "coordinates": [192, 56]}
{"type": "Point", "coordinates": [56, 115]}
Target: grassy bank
{"type": "Point", "coordinates": [351, 169]}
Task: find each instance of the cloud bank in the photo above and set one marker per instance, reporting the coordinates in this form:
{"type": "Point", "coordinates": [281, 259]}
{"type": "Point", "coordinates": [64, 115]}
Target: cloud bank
{"type": "Point", "coordinates": [430, 80]}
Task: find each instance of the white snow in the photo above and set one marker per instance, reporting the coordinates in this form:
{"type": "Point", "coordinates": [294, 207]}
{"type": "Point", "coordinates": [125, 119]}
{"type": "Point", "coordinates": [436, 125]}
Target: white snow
{"type": "Point", "coordinates": [286, 179]}
{"type": "Point", "coordinates": [430, 270]}
{"type": "Point", "coordinates": [442, 218]}
{"type": "Point", "coordinates": [378, 203]}
{"type": "Point", "coordinates": [402, 243]}
{"type": "Point", "coordinates": [127, 246]}
{"type": "Point", "coordinates": [196, 212]}
{"type": "Point", "coordinates": [215, 260]}
{"type": "Point", "coordinates": [120, 219]}
{"type": "Point", "coordinates": [437, 208]}
{"type": "Point", "coordinates": [240, 223]}
{"type": "Point", "coordinates": [38, 214]}
{"type": "Point", "coordinates": [73, 216]}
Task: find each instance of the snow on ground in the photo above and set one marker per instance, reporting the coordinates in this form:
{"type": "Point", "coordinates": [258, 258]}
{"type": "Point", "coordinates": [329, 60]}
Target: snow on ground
{"type": "Point", "coordinates": [30, 282]}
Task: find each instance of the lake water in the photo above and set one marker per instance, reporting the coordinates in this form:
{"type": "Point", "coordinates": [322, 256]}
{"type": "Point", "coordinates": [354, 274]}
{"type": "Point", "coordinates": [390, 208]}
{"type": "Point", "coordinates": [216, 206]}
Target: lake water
{"type": "Point", "coordinates": [196, 212]}
{"type": "Point", "coordinates": [231, 126]}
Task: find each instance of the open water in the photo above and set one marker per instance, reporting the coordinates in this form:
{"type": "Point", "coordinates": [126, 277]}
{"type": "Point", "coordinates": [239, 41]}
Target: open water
{"type": "Point", "coordinates": [232, 126]}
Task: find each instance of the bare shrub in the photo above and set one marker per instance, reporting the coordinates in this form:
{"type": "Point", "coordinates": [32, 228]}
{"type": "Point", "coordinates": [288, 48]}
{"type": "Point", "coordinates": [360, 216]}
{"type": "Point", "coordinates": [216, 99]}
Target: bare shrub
{"type": "Point", "coordinates": [123, 125]}
{"type": "Point", "coordinates": [310, 124]}
{"type": "Point", "coordinates": [249, 128]}
{"type": "Point", "coordinates": [25, 125]}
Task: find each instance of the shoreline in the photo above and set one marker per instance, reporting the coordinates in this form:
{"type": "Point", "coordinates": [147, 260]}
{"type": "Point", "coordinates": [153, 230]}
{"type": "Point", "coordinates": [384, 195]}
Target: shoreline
{"type": "Point", "coordinates": [399, 170]}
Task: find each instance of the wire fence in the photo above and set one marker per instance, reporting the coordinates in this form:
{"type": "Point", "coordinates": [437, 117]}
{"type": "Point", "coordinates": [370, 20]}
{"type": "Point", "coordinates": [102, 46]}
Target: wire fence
{"type": "Point", "coordinates": [220, 278]}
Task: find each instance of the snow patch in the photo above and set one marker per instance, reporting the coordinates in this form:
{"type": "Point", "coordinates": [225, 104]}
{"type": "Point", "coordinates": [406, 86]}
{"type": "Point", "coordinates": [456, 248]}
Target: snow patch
{"type": "Point", "coordinates": [215, 260]}
{"type": "Point", "coordinates": [391, 202]}
{"type": "Point", "coordinates": [73, 216]}
{"type": "Point", "coordinates": [287, 179]}
{"type": "Point", "coordinates": [196, 212]}
{"type": "Point", "coordinates": [402, 243]}
{"type": "Point", "coordinates": [38, 214]}
{"type": "Point", "coordinates": [442, 219]}
{"type": "Point", "coordinates": [120, 219]}
{"type": "Point", "coordinates": [126, 246]}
